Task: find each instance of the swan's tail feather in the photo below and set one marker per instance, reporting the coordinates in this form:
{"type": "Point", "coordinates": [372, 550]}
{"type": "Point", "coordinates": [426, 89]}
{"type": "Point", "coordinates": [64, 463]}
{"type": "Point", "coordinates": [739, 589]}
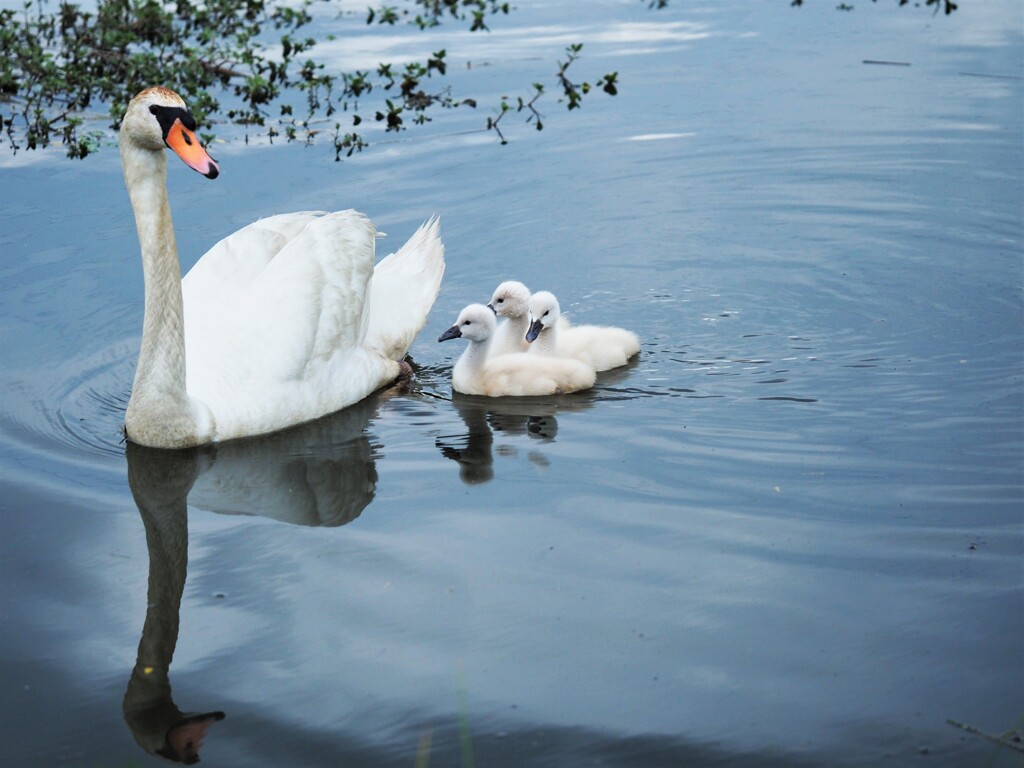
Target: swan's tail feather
{"type": "Point", "coordinates": [405, 285]}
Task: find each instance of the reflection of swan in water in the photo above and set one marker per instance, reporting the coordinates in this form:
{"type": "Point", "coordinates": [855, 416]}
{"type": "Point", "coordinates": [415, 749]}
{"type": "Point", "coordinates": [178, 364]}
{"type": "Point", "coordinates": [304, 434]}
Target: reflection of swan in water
{"type": "Point", "coordinates": [160, 481]}
{"type": "Point", "coordinates": [485, 416]}
{"type": "Point", "coordinates": [321, 473]}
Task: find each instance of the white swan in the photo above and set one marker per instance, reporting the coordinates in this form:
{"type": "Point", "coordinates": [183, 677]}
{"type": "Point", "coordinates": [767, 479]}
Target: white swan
{"type": "Point", "coordinates": [600, 346]}
{"type": "Point", "coordinates": [511, 300]}
{"type": "Point", "coordinates": [512, 375]}
{"type": "Point", "coordinates": [277, 324]}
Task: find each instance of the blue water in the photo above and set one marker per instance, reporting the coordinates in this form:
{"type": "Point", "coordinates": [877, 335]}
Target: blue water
{"type": "Point", "coordinates": [789, 534]}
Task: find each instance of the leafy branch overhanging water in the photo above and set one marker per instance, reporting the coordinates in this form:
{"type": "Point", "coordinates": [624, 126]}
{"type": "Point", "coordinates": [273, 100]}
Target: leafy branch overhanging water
{"type": "Point", "coordinates": [242, 62]}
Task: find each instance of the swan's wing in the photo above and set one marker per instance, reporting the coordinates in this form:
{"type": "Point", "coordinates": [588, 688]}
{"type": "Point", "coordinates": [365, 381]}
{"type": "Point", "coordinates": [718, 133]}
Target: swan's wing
{"type": "Point", "coordinates": [235, 261]}
{"type": "Point", "coordinates": [312, 296]}
{"type": "Point", "coordinates": [405, 285]}
{"type": "Point", "coordinates": [306, 303]}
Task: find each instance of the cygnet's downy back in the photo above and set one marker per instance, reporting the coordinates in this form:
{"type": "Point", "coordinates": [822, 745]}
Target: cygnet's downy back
{"type": "Point", "coordinates": [601, 347]}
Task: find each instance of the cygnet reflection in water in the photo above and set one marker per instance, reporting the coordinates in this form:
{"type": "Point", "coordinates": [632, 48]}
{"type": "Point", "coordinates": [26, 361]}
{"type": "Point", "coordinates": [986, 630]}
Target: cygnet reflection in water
{"type": "Point", "coordinates": [487, 418]}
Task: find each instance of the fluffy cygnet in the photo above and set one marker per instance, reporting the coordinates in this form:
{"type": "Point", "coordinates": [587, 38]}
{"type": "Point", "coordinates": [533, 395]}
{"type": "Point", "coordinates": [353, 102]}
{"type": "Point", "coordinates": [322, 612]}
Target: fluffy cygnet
{"type": "Point", "coordinates": [511, 301]}
{"type": "Point", "coordinates": [601, 347]}
{"type": "Point", "coordinates": [515, 374]}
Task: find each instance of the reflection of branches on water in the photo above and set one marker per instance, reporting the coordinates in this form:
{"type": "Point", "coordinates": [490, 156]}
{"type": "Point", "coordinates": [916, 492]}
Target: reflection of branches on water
{"type": "Point", "coordinates": [485, 417]}
{"type": "Point", "coordinates": [946, 5]}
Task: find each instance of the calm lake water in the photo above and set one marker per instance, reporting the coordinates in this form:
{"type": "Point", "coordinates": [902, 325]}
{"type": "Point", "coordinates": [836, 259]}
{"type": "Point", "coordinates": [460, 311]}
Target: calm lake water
{"type": "Point", "coordinates": [790, 534]}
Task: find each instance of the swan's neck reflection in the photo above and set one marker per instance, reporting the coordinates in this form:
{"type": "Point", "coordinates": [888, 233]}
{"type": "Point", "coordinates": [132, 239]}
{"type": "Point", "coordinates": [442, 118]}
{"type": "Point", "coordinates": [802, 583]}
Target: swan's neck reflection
{"type": "Point", "coordinates": [160, 482]}
{"type": "Point", "coordinates": [322, 473]}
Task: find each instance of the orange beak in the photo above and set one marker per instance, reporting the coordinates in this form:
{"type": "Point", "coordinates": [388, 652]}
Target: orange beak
{"type": "Point", "coordinates": [186, 146]}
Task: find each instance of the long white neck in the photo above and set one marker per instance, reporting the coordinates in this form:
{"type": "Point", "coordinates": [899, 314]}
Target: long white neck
{"type": "Point", "coordinates": [159, 413]}
{"type": "Point", "coordinates": [547, 340]}
{"type": "Point", "coordinates": [520, 325]}
{"type": "Point", "coordinates": [471, 361]}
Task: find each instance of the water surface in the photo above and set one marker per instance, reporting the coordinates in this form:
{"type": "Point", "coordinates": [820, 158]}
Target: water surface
{"type": "Point", "coordinates": [789, 534]}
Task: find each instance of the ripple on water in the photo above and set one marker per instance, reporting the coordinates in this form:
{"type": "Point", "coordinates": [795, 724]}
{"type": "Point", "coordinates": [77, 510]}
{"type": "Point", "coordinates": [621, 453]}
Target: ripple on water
{"type": "Point", "coordinates": [74, 410]}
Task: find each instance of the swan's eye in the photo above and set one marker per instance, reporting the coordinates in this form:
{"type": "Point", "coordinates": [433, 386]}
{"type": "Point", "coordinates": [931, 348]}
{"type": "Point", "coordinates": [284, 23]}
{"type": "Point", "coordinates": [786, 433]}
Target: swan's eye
{"type": "Point", "coordinates": [500, 301]}
{"type": "Point", "coordinates": [468, 322]}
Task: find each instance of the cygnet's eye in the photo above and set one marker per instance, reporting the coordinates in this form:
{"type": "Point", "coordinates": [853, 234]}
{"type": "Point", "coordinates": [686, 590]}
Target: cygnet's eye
{"type": "Point", "coordinates": [468, 322]}
{"type": "Point", "coordinates": [500, 300]}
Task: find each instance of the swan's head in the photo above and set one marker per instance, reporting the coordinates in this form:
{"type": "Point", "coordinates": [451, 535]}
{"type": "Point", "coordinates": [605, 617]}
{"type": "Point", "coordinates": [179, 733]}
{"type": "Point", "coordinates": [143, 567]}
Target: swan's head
{"type": "Point", "coordinates": [544, 313]}
{"type": "Point", "coordinates": [476, 323]}
{"type": "Point", "coordinates": [510, 299]}
{"type": "Point", "coordinates": [157, 117]}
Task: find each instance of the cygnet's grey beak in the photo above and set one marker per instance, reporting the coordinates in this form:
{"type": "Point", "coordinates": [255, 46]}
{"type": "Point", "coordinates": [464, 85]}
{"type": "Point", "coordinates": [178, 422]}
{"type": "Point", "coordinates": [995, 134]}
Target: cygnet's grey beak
{"type": "Point", "coordinates": [491, 307]}
{"type": "Point", "coordinates": [451, 333]}
{"type": "Point", "coordinates": [534, 331]}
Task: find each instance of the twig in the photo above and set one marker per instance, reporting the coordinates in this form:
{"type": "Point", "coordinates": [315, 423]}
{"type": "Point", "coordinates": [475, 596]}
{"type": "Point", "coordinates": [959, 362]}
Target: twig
{"type": "Point", "coordinates": [989, 74]}
{"type": "Point", "coordinates": [217, 69]}
{"type": "Point", "coordinates": [1011, 739]}
{"type": "Point", "coordinates": [220, 70]}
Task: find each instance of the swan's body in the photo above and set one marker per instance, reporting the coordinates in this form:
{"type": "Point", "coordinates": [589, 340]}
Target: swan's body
{"type": "Point", "coordinates": [517, 374]}
{"type": "Point", "coordinates": [511, 301]}
{"type": "Point", "coordinates": [601, 347]}
{"type": "Point", "coordinates": [277, 324]}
